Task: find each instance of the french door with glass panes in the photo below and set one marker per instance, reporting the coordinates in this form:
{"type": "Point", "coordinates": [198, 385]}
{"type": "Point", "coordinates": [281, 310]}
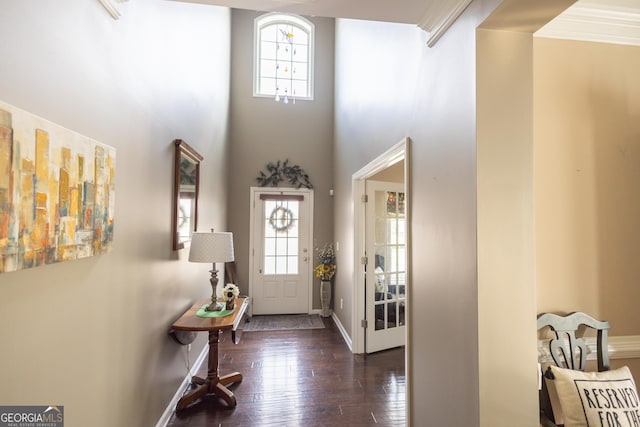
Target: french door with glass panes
{"type": "Point", "coordinates": [386, 265]}
{"type": "Point", "coordinates": [281, 235]}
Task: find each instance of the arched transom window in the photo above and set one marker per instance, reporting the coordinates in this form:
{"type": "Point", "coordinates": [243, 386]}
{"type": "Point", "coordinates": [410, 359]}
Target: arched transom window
{"type": "Point", "coordinates": [283, 61]}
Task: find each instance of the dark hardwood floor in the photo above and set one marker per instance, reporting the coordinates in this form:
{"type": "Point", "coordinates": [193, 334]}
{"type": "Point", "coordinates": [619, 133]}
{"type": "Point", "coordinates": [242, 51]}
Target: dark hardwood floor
{"type": "Point", "coordinates": [303, 378]}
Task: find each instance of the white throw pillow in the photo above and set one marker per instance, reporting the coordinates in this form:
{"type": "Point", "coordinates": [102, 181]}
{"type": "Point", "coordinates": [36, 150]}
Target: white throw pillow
{"type": "Point", "coordinates": [591, 399]}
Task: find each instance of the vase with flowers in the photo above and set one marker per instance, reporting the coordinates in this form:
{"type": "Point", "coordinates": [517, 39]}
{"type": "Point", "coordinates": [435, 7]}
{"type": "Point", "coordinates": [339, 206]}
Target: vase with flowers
{"type": "Point", "coordinates": [325, 270]}
{"type": "Point", "coordinates": [229, 294]}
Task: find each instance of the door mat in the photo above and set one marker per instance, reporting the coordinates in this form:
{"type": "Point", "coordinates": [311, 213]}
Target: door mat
{"type": "Point", "coordinates": [283, 322]}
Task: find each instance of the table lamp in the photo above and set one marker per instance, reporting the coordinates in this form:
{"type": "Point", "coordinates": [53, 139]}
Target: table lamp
{"type": "Point", "coordinates": [211, 247]}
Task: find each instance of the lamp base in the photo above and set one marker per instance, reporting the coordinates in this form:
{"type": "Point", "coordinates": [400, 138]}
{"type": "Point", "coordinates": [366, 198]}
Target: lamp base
{"type": "Point", "coordinates": [216, 306]}
{"type": "Point", "coordinates": [214, 284]}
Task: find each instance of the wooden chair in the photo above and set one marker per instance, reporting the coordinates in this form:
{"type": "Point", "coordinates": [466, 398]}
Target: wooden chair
{"type": "Point", "coordinates": [567, 350]}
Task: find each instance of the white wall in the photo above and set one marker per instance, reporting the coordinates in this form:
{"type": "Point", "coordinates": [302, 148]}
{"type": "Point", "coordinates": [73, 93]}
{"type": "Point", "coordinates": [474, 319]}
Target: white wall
{"type": "Point", "coordinates": [427, 94]}
{"type": "Point", "coordinates": [376, 70]}
{"type": "Point", "coordinates": [91, 334]}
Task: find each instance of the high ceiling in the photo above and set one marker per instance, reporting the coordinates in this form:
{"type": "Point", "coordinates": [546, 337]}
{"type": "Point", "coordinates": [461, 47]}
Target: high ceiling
{"type": "Point", "coordinates": [606, 21]}
{"type": "Point", "coordinates": [610, 21]}
{"type": "Point", "coordinates": [406, 11]}
{"type": "Point", "coordinates": [433, 16]}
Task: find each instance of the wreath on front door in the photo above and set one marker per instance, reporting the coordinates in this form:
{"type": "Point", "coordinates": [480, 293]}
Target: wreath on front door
{"type": "Point", "coordinates": [281, 218]}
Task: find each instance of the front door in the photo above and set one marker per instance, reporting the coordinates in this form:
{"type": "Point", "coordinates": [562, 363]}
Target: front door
{"type": "Point", "coordinates": [386, 265]}
{"type": "Point", "coordinates": [281, 222]}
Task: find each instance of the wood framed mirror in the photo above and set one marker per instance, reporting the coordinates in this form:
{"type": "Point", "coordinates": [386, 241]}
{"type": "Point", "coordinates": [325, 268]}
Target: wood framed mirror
{"type": "Point", "coordinates": [186, 186]}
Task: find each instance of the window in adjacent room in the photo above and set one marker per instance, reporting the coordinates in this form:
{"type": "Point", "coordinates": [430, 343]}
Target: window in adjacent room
{"type": "Point", "coordinates": [283, 61]}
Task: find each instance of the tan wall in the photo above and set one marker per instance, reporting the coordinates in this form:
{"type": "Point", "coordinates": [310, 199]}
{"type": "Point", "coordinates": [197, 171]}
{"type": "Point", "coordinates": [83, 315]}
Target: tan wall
{"type": "Point", "coordinates": [506, 293]}
{"type": "Point", "coordinates": [508, 377]}
{"type": "Point", "coordinates": [91, 334]}
{"type": "Point", "coordinates": [394, 173]}
{"type": "Point", "coordinates": [587, 180]}
{"type": "Point", "coordinates": [263, 131]}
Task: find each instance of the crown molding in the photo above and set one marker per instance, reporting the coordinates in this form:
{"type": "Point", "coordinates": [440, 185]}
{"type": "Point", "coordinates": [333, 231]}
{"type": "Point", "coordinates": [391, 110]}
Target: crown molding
{"type": "Point", "coordinates": [112, 7]}
{"type": "Point", "coordinates": [439, 16]}
{"type": "Point", "coordinates": [595, 23]}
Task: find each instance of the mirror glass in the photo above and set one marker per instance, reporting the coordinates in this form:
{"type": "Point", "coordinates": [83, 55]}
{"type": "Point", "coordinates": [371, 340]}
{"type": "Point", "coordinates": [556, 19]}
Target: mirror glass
{"type": "Point", "coordinates": [185, 193]}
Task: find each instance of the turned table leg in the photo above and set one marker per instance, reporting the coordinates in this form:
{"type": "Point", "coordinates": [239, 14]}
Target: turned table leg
{"type": "Point", "coordinates": [213, 384]}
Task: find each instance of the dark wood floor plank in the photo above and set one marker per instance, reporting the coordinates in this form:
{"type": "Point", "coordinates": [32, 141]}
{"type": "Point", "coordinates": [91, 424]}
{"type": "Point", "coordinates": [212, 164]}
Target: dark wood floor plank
{"type": "Point", "coordinates": [303, 378]}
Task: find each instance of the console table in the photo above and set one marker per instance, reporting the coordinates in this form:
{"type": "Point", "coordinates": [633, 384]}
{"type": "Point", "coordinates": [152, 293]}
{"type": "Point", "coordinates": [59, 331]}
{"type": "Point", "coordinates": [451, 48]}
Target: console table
{"type": "Point", "coordinates": [213, 384]}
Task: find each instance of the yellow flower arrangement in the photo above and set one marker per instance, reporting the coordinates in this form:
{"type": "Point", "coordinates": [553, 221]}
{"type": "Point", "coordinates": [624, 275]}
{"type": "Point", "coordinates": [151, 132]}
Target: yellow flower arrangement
{"type": "Point", "coordinates": [326, 267]}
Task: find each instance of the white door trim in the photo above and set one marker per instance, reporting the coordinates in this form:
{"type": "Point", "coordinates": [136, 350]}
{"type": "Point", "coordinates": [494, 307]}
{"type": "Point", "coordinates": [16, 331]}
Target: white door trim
{"type": "Point", "coordinates": [307, 193]}
{"type": "Point", "coordinates": [390, 157]}
{"type": "Point", "coordinates": [385, 338]}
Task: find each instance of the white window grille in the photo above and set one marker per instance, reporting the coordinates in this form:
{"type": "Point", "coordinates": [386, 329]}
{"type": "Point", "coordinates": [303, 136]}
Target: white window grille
{"type": "Point", "coordinates": [281, 236]}
{"type": "Point", "coordinates": [283, 57]}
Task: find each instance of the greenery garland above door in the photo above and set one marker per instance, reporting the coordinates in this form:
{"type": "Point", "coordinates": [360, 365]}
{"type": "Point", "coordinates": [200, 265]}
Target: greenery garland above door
{"type": "Point", "coordinates": [281, 171]}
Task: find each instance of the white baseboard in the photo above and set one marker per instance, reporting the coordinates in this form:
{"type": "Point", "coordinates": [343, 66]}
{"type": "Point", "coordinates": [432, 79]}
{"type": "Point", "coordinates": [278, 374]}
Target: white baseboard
{"type": "Point", "coordinates": [166, 415]}
{"type": "Point", "coordinates": [343, 332]}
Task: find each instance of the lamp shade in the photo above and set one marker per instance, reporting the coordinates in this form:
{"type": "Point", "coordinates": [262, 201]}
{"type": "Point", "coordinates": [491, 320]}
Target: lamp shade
{"type": "Point", "coordinates": [211, 247]}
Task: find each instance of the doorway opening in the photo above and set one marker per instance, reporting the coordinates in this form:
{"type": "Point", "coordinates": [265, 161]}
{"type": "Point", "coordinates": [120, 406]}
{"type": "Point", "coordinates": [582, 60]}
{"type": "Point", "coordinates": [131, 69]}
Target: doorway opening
{"type": "Point", "coordinates": [281, 232]}
{"type": "Point", "coordinates": [382, 294]}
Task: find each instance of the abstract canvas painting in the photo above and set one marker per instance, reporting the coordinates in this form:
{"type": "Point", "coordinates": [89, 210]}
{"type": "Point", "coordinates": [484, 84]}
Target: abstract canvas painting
{"type": "Point", "coordinates": [57, 192]}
